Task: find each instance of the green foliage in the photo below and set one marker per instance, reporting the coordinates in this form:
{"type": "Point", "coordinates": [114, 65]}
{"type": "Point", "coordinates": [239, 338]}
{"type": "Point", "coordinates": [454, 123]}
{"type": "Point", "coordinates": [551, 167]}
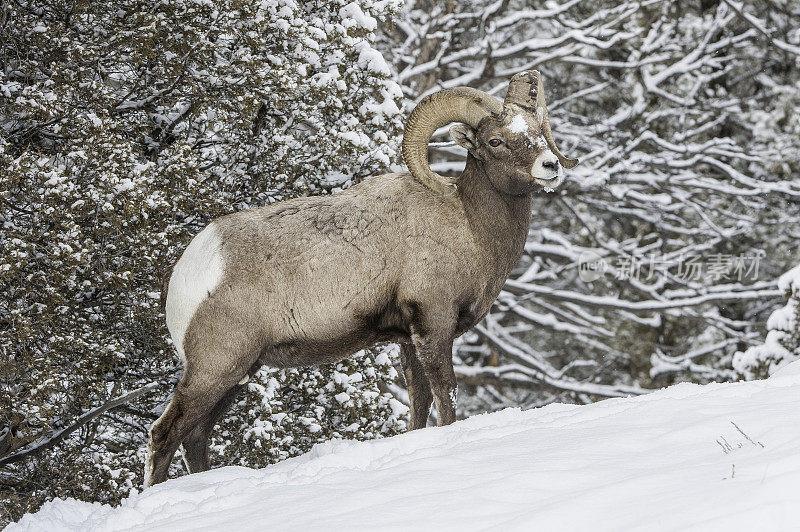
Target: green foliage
{"type": "Point", "coordinates": [285, 412]}
{"type": "Point", "coordinates": [124, 128]}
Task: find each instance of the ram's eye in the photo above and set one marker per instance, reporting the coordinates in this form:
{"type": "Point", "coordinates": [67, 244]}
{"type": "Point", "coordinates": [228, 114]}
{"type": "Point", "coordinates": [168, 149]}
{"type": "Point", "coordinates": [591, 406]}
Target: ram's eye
{"type": "Point", "coordinates": [495, 143]}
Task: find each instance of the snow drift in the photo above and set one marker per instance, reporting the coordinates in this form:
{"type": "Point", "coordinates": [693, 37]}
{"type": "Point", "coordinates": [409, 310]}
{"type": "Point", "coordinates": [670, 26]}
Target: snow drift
{"type": "Point", "coordinates": [689, 457]}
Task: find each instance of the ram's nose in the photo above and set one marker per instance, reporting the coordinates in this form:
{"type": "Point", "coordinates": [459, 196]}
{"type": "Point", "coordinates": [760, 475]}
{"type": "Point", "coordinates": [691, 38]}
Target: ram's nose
{"type": "Point", "coordinates": [546, 167]}
{"type": "Point", "coordinates": [551, 164]}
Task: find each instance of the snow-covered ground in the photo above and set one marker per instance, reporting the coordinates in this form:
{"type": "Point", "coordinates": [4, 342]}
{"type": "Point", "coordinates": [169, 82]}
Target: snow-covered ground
{"type": "Point", "coordinates": [714, 457]}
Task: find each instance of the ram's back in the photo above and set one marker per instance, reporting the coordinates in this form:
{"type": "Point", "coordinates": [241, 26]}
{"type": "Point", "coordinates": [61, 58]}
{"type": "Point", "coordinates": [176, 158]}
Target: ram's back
{"type": "Point", "coordinates": [323, 274]}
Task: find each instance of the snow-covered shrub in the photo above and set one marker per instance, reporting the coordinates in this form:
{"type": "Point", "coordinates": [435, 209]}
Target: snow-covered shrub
{"type": "Point", "coordinates": [124, 128]}
{"type": "Point", "coordinates": [782, 345]}
{"type": "Point", "coordinates": [285, 412]}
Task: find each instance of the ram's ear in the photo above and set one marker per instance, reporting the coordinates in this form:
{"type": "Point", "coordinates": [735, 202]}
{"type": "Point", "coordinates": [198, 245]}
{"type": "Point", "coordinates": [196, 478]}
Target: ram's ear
{"type": "Point", "coordinates": [465, 136]}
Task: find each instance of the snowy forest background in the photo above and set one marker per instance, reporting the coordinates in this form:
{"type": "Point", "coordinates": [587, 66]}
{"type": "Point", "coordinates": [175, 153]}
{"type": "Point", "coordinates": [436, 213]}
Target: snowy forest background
{"type": "Point", "coordinates": [126, 126]}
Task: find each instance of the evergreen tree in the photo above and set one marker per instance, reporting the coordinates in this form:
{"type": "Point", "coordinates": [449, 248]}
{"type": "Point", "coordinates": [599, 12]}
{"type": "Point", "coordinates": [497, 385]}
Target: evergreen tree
{"type": "Point", "coordinates": [125, 127]}
{"type": "Point", "coordinates": [782, 344]}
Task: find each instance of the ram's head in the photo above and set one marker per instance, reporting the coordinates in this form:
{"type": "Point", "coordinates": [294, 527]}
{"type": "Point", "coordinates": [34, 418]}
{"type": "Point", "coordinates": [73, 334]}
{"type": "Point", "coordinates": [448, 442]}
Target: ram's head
{"type": "Point", "coordinates": [512, 139]}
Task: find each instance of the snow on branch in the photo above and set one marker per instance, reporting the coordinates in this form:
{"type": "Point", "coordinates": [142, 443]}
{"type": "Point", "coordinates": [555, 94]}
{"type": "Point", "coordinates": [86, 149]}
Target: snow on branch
{"type": "Point", "coordinates": [610, 302]}
{"type": "Point", "coordinates": [687, 154]}
{"type": "Point", "coordinates": [759, 25]}
{"type": "Point", "coordinates": [534, 370]}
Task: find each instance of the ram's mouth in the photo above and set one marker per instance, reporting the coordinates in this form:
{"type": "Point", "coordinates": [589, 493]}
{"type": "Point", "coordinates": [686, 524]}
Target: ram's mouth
{"type": "Point", "coordinates": [548, 177]}
{"type": "Point", "coordinates": [550, 184]}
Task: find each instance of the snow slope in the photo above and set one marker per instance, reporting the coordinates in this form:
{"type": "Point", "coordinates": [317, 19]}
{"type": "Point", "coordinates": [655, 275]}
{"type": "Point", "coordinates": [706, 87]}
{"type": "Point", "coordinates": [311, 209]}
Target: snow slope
{"type": "Point", "coordinates": [672, 460]}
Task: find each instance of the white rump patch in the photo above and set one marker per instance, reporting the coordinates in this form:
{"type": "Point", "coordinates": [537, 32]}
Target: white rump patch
{"type": "Point", "coordinates": [518, 124]}
{"type": "Point", "coordinates": [196, 275]}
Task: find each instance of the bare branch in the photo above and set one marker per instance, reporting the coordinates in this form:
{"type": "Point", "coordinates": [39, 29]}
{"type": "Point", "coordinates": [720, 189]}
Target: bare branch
{"type": "Point", "coordinates": [49, 440]}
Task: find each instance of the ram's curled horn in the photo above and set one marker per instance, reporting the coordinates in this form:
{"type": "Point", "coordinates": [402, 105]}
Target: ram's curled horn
{"type": "Point", "coordinates": [459, 104]}
{"type": "Point", "coordinates": [565, 161]}
{"type": "Point", "coordinates": [523, 92]}
{"type": "Point", "coordinates": [527, 92]}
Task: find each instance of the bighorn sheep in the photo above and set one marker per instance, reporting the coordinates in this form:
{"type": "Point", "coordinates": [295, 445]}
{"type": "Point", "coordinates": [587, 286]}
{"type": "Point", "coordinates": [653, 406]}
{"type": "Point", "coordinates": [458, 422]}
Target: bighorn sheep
{"type": "Point", "coordinates": [412, 258]}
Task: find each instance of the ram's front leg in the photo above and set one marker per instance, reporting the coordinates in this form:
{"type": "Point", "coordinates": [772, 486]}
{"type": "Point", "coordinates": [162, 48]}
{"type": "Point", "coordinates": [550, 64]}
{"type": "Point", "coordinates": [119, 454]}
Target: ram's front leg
{"type": "Point", "coordinates": [435, 353]}
{"type": "Point", "coordinates": [419, 391]}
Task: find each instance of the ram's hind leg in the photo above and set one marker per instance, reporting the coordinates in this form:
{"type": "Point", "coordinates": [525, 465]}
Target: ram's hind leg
{"type": "Point", "coordinates": [419, 390]}
{"type": "Point", "coordinates": [195, 445]}
{"type": "Point", "coordinates": [187, 407]}
{"type": "Point", "coordinates": [202, 388]}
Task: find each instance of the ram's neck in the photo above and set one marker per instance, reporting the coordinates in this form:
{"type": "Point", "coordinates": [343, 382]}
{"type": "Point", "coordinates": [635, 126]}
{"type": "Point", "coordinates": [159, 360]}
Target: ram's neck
{"type": "Point", "coordinates": [499, 221]}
